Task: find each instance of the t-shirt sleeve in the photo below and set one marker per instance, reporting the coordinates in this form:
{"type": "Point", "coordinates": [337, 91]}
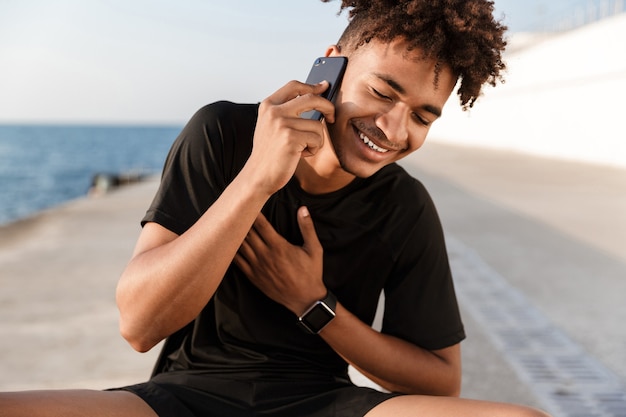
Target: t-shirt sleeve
{"type": "Point", "coordinates": [205, 157]}
{"type": "Point", "coordinates": [420, 301]}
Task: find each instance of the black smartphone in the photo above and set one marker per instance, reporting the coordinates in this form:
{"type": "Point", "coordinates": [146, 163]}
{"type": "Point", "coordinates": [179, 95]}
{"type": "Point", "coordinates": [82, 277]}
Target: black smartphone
{"type": "Point", "coordinates": [330, 69]}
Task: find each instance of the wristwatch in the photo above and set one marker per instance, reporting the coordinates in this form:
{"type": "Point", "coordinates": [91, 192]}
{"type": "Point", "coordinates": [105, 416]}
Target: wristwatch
{"type": "Point", "coordinates": [319, 314]}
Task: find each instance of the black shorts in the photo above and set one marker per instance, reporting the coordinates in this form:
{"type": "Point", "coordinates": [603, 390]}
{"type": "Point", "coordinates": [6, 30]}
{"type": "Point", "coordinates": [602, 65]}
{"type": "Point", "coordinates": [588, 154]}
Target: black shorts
{"type": "Point", "coordinates": [221, 396]}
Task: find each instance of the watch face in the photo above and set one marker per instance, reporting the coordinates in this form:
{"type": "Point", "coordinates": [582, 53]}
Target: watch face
{"type": "Point", "coordinates": [317, 317]}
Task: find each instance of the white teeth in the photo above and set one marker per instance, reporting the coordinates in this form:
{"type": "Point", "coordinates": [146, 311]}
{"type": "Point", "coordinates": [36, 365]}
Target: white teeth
{"type": "Point", "coordinates": [371, 144]}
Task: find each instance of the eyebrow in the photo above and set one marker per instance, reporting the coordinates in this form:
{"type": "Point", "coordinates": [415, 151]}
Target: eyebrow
{"type": "Point", "coordinates": [401, 90]}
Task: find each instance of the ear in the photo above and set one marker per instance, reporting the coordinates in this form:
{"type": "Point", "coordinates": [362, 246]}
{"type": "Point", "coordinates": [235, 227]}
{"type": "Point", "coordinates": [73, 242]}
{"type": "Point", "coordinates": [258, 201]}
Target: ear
{"type": "Point", "coordinates": [333, 50]}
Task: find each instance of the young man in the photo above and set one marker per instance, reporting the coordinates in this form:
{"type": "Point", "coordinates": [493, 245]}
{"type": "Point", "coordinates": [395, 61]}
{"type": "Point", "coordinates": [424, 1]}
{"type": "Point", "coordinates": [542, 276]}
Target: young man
{"type": "Point", "coordinates": [263, 217]}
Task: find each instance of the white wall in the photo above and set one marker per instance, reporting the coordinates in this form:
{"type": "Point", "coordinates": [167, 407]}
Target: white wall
{"type": "Point", "coordinates": [563, 97]}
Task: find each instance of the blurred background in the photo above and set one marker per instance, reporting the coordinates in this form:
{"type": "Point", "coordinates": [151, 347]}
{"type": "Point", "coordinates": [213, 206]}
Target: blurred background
{"type": "Point", "coordinates": [72, 61]}
{"type": "Point", "coordinates": [153, 63]}
{"type": "Point", "coordinates": [530, 183]}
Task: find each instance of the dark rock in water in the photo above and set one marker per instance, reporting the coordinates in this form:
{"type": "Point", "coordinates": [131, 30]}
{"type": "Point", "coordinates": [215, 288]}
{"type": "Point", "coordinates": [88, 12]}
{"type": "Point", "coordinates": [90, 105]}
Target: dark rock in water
{"type": "Point", "coordinates": [102, 183]}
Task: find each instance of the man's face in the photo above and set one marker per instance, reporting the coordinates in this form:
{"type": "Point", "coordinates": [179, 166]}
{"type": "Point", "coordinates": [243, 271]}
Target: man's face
{"type": "Point", "coordinates": [387, 103]}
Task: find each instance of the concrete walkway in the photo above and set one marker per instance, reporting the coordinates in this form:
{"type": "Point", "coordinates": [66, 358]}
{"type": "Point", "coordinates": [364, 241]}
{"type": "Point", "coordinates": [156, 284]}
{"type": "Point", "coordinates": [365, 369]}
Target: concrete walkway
{"type": "Point", "coordinates": [58, 273]}
{"type": "Point", "coordinates": [551, 236]}
{"type": "Point", "coordinates": [539, 242]}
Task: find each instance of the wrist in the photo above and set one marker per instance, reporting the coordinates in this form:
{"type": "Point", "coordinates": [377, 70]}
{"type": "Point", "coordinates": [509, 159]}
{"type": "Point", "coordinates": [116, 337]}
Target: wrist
{"type": "Point", "coordinates": [252, 183]}
{"type": "Point", "coordinates": [319, 314]}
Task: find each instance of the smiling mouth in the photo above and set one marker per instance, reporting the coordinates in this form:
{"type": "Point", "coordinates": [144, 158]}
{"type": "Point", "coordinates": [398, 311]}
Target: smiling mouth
{"type": "Point", "coordinates": [371, 144]}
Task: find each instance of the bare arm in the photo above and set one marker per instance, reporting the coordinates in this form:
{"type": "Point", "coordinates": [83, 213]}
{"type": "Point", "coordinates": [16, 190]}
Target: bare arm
{"type": "Point", "coordinates": [168, 280]}
{"type": "Point", "coordinates": [392, 363]}
{"type": "Point", "coordinates": [171, 278]}
{"type": "Point", "coordinates": [292, 276]}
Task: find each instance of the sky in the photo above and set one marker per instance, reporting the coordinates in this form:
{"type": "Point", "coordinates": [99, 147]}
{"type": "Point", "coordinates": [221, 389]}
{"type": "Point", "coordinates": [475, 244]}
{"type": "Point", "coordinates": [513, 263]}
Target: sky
{"type": "Point", "coordinates": [157, 61]}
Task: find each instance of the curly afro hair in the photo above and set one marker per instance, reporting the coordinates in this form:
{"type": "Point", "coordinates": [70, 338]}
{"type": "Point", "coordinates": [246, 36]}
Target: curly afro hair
{"type": "Point", "coordinates": [462, 34]}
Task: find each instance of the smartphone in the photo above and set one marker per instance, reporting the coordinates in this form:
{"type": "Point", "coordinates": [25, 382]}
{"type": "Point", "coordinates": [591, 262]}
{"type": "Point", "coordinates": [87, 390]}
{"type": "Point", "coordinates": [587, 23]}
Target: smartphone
{"type": "Point", "coordinates": [330, 69]}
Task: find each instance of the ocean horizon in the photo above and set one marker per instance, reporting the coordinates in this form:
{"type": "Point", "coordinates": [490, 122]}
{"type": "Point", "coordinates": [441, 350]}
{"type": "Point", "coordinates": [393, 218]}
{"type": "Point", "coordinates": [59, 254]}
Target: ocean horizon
{"type": "Point", "coordinates": [45, 165]}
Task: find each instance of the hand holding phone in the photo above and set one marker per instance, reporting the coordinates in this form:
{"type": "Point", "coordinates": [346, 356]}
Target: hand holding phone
{"type": "Point", "coordinates": [329, 69]}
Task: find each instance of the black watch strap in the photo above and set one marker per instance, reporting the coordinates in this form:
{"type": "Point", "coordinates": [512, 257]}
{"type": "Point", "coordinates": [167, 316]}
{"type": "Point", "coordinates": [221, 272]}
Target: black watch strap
{"type": "Point", "coordinates": [322, 312]}
{"type": "Point", "coordinates": [330, 300]}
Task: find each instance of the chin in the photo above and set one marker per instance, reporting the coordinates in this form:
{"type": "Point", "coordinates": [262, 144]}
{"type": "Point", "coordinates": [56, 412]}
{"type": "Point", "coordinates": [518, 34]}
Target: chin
{"type": "Point", "coordinates": [350, 161]}
{"type": "Point", "coordinates": [358, 169]}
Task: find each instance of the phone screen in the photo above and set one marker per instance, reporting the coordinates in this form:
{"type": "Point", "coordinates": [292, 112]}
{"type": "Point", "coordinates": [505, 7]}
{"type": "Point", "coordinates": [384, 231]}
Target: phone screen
{"type": "Point", "coordinates": [330, 69]}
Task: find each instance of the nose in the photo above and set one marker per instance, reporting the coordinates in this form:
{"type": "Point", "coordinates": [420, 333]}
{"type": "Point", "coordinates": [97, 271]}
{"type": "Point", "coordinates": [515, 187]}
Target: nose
{"type": "Point", "coordinates": [394, 123]}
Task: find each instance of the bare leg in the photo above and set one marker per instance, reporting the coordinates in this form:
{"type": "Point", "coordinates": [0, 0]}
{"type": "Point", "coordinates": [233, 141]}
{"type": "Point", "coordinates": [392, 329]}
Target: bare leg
{"type": "Point", "coordinates": [416, 405]}
{"type": "Point", "coordinates": [73, 403]}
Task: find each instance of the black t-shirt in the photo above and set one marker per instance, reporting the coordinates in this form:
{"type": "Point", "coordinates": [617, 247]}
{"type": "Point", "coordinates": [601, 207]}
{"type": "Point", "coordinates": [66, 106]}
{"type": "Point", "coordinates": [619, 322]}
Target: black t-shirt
{"type": "Point", "coordinates": [378, 233]}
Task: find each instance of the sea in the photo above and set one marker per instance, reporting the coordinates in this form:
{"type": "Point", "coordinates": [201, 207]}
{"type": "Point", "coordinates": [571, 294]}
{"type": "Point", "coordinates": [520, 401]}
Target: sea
{"type": "Point", "coordinates": [43, 166]}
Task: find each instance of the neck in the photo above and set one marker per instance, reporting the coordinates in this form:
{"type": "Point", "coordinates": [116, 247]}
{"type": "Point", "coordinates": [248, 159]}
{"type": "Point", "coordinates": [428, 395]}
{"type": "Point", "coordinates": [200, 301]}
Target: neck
{"type": "Point", "coordinates": [321, 173]}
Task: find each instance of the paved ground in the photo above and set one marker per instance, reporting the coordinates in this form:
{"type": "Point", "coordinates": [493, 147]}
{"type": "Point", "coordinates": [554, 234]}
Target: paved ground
{"type": "Point", "coordinates": [538, 248]}
{"type": "Point", "coordinates": [58, 273]}
{"type": "Point", "coordinates": [551, 235]}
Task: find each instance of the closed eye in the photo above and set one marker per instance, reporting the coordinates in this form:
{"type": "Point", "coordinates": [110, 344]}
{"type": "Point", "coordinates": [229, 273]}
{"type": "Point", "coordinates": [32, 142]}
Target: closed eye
{"type": "Point", "coordinates": [421, 120]}
{"type": "Point", "coordinates": [415, 116]}
{"type": "Point", "coordinates": [381, 95]}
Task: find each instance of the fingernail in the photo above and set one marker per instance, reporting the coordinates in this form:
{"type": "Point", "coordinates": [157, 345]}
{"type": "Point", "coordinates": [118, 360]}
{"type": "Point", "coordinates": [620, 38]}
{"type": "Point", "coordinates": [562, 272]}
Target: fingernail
{"type": "Point", "coordinates": [305, 212]}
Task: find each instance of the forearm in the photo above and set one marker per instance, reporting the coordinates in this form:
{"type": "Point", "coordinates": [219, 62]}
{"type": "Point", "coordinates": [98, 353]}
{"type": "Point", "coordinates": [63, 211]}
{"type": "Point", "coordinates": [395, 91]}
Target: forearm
{"type": "Point", "coordinates": [168, 282]}
{"type": "Point", "coordinates": [394, 364]}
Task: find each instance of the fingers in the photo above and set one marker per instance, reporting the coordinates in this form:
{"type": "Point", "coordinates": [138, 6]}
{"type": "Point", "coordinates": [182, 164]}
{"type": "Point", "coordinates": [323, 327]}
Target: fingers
{"type": "Point", "coordinates": [245, 256]}
{"type": "Point", "coordinates": [263, 231]}
{"type": "Point", "coordinates": [243, 263]}
{"type": "Point", "coordinates": [282, 137]}
{"type": "Point", "coordinates": [254, 244]}
{"type": "Point", "coordinates": [307, 228]}
{"type": "Point", "coordinates": [261, 239]}
{"type": "Point", "coordinates": [298, 98]}
{"type": "Point", "coordinates": [295, 89]}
